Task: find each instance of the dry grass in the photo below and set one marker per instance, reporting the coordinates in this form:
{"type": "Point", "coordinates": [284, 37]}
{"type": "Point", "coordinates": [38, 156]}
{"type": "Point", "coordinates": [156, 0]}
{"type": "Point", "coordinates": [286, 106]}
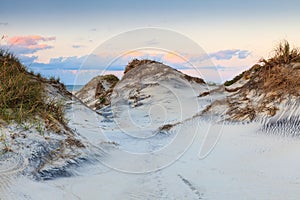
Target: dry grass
{"type": "Point", "coordinates": [276, 75]}
{"type": "Point", "coordinates": [136, 62]}
{"type": "Point", "coordinates": [112, 79]}
{"type": "Point", "coordinates": [103, 95]}
{"type": "Point", "coordinates": [195, 79]}
{"type": "Point", "coordinates": [283, 54]}
{"type": "Point", "coordinates": [268, 84]}
{"type": "Point", "coordinates": [275, 80]}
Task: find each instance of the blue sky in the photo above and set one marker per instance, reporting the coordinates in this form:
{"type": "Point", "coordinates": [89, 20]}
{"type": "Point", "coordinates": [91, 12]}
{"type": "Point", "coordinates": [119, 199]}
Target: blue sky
{"type": "Point", "coordinates": [55, 37]}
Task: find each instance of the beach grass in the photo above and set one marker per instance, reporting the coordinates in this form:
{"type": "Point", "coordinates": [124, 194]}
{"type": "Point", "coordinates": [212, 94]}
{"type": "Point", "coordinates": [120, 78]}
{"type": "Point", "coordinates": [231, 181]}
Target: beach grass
{"type": "Point", "coordinates": [22, 93]}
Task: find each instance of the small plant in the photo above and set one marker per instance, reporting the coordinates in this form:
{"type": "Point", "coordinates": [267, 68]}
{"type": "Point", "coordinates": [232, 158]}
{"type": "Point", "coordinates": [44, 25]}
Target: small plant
{"type": "Point", "coordinates": [26, 126]}
{"type": "Point", "coordinates": [6, 146]}
{"type": "Point", "coordinates": [38, 75]}
{"type": "Point", "coordinates": [102, 100]}
{"type": "Point", "coordinates": [31, 72]}
{"type": "Point", "coordinates": [2, 137]}
{"type": "Point", "coordinates": [56, 110]}
{"type": "Point", "coordinates": [52, 79]}
{"type": "Point", "coordinates": [40, 128]}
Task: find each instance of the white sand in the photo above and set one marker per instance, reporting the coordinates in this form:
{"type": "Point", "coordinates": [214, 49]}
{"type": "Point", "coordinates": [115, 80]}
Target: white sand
{"type": "Point", "coordinates": [245, 163]}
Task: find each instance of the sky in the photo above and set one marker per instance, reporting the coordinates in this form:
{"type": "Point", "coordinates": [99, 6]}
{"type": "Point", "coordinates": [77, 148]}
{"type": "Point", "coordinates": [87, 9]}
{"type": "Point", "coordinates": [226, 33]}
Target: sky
{"type": "Point", "coordinates": [73, 40]}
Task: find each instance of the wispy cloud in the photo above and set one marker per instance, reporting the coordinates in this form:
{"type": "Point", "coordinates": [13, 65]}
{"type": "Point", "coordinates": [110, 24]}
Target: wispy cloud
{"type": "Point", "coordinates": [243, 54]}
{"type": "Point", "coordinates": [77, 46]}
{"type": "Point", "coordinates": [229, 54]}
{"type": "Point", "coordinates": [151, 42]}
{"type": "Point", "coordinates": [23, 50]}
{"type": "Point", "coordinates": [3, 23]}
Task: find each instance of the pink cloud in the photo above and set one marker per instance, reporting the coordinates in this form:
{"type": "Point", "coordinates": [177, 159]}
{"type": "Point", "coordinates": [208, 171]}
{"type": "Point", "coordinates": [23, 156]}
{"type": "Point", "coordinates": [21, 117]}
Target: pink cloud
{"type": "Point", "coordinates": [135, 54]}
{"type": "Point", "coordinates": [163, 56]}
{"type": "Point", "coordinates": [173, 58]}
{"type": "Point", "coordinates": [29, 40]}
{"type": "Point", "coordinates": [23, 45]}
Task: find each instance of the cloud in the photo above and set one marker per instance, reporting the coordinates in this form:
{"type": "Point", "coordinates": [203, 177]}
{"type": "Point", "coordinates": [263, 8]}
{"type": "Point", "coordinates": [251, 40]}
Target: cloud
{"type": "Point", "coordinates": [3, 23]}
{"type": "Point", "coordinates": [173, 58]}
{"type": "Point", "coordinates": [108, 62]}
{"type": "Point", "coordinates": [224, 54]}
{"type": "Point", "coordinates": [217, 67]}
{"type": "Point", "coordinates": [21, 45]}
{"type": "Point", "coordinates": [75, 63]}
{"type": "Point", "coordinates": [229, 54]}
{"type": "Point", "coordinates": [93, 29]}
{"type": "Point", "coordinates": [23, 50]}
{"type": "Point", "coordinates": [27, 60]}
{"type": "Point", "coordinates": [243, 54]}
{"type": "Point", "coordinates": [77, 46]}
{"type": "Point", "coordinates": [111, 61]}
{"type": "Point", "coordinates": [80, 69]}
{"type": "Point", "coordinates": [98, 62]}
{"type": "Point", "coordinates": [29, 40]}
{"type": "Point", "coordinates": [152, 42]}
{"type": "Point", "coordinates": [114, 63]}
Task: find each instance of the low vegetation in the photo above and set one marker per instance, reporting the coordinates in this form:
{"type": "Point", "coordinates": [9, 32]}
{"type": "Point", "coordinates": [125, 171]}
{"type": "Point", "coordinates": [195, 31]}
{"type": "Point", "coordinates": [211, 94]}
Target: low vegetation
{"type": "Point", "coordinates": [234, 80]}
{"type": "Point", "coordinates": [136, 62]}
{"type": "Point", "coordinates": [110, 78]}
{"type": "Point", "coordinates": [52, 79]}
{"type": "Point", "coordinates": [274, 80]}
{"type": "Point", "coordinates": [22, 93]}
{"type": "Point", "coordinates": [283, 54]}
{"type": "Point", "coordinates": [278, 74]}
